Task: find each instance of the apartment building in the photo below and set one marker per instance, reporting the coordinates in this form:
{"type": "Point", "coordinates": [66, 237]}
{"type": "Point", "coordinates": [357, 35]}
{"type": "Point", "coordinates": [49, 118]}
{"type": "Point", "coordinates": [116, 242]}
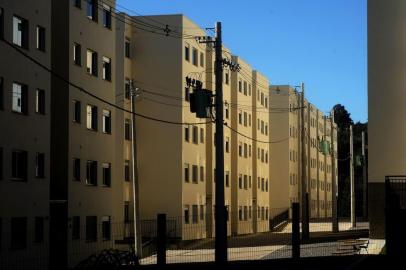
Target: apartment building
{"type": "Point", "coordinates": [286, 153]}
{"type": "Point", "coordinates": [25, 115]}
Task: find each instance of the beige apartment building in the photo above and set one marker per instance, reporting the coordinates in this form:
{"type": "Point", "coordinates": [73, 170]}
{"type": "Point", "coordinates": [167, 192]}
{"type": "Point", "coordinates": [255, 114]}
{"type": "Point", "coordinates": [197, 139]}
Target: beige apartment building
{"type": "Point", "coordinates": [285, 157]}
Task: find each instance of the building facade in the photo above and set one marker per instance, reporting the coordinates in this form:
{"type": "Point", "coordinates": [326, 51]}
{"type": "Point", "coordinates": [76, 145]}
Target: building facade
{"type": "Point", "coordinates": [286, 170]}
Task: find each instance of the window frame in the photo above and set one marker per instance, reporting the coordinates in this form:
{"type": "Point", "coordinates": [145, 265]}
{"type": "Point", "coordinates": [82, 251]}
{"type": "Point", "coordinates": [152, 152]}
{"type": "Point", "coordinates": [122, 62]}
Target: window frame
{"type": "Point", "coordinates": [40, 101]}
{"type": "Point", "coordinates": [41, 38]}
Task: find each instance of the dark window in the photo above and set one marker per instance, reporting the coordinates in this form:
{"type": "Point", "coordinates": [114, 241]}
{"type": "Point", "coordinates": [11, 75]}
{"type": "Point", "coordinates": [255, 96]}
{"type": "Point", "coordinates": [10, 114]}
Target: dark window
{"type": "Point", "coordinates": [77, 111]}
{"type": "Point", "coordinates": [20, 32]}
{"type": "Point", "coordinates": [195, 57]}
{"type": "Point", "coordinates": [201, 173]}
{"type": "Point", "coordinates": [40, 101]}
{"type": "Point", "coordinates": [245, 182]}
{"type": "Point", "coordinates": [39, 230]}
{"type": "Point", "coordinates": [75, 227]}
{"type": "Point", "coordinates": [227, 179]}
{"type": "Point", "coordinates": [1, 23]}
{"type": "Point", "coordinates": [186, 214]}
{"type": "Point", "coordinates": [240, 181]}
{"type": "Point", "coordinates": [20, 98]}
{"type": "Point", "coordinates": [201, 135]}
{"type": "Point", "coordinates": [107, 174]}
{"type": "Point", "coordinates": [77, 54]}
{"type": "Point", "coordinates": [227, 78]}
{"type": "Point", "coordinates": [201, 212]}
{"type": "Point", "coordinates": [194, 174]}
{"type": "Point", "coordinates": [106, 68]}
{"type": "Point", "coordinates": [195, 135]}
{"type": "Point", "coordinates": [1, 93]}
{"type": "Point", "coordinates": [202, 59]}
{"type": "Point", "coordinates": [127, 212]}
{"type": "Point", "coordinates": [127, 88]}
{"type": "Point", "coordinates": [107, 16]}
{"type": "Point", "coordinates": [76, 169]}
{"type": "Point", "coordinates": [77, 3]}
{"type": "Point", "coordinates": [187, 134]}
{"type": "Point", "coordinates": [91, 172]}
{"type": "Point", "coordinates": [187, 94]}
{"type": "Point", "coordinates": [127, 171]}
{"type": "Point", "coordinates": [187, 52]}
{"type": "Point", "coordinates": [106, 227]}
{"type": "Point", "coordinates": [91, 62]}
{"type": "Point", "coordinates": [127, 131]}
{"type": "Point", "coordinates": [41, 38]}
{"type": "Point", "coordinates": [106, 121]}
{"type": "Point", "coordinates": [195, 213]}
{"type": "Point", "coordinates": [186, 172]}
{"type": "Point", "coordinates": [40, 165]}
{"type": "Point", "coordinates": [127, 47]}
{"type": "Point", "coordinates": [91, 10]}
{"type": "Point", "coordinates": [91, 117]}
{"type": "Point", "coordinates": [91, 228]}
{"type": "Point", "coordinates": [18, 233]}
{"type": "Point", "coordinates": [19, 165]}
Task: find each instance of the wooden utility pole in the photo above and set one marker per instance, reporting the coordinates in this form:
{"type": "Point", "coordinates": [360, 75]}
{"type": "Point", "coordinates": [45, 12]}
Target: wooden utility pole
{"type": "Point", "coordinates": [220, 215]}
{"type": "Point", "coordinates": [352, 184]}
{"type": "Point", "coordinates": [137, 232]}
{"type": "Point", "coordinates": [305, 198]}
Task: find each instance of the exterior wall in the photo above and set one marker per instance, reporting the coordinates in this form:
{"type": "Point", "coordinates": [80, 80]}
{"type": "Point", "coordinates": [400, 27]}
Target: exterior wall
{"type": "Point", "coordinates": [28, 199]}
{"type": "Point", "coordinates": [386, 51]}
{"type": "Point", "coordinates": [318, 165]}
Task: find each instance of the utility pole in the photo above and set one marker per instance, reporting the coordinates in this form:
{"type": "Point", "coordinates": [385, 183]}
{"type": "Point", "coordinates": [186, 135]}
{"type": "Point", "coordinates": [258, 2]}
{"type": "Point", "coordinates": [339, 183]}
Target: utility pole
{"type": "Point", "coordinates": [333, 175]}
{"type": "Point", "coordinates": [353, 221]}
{"type": "Point", "coordinates": [137, 232]}
{"type": "Point", "coordinates": [220, 215]}
{"type": "Point", "coordinates": [364, 173]}
{"type": "Point", "coordinates": [305, 198]}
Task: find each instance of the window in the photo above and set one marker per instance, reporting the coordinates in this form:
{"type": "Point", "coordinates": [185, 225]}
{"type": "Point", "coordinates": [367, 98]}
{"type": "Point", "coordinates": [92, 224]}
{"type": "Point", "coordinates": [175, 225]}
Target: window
{"type": "Point", "coordinates": [240, 86]}
{"type": "Point", "coordinates": [91, 228]}
{"type": "Point", "coordinates": [195, 135]}
{"type": "Point", "coordinates": [91, 62]}
{"type": "Point", "coordinates": [20, 32]}
{"type": "Point", "coordinates": [195, 213]}
{"type": "Point", "coordinates": [126, 212]}
{"type": "Point", "coordinates": [187, 94]}
{"type": "Point", "coordinates": [18, 233]}
{"type": "Point", "coordinates": [91, 117]}
{"type": "Point", "coordinates": [240, 118]}
{"type": "Point", "coordinates": [195, 174]}
{"type": "Point", "coordinates": [39, 230]}
{"type": "Point", "coordinates": [106, 228]}
{"type": "Point", "coordinates": [106, 16]}
{"type": "Point", "coordinates": [227, 78]}
{"type": "Point", "coordinates": [106, 122]}
{"type": "Point", "coordinates": [187, 52]}
{"type": "Point", "coordinates": [75, 227]}
{"type": "Point", "coordinates": [41, 38]}
{"type": "Point", "coordinates": [106, 68]}
{"type": "Point", "coordinates": [249, 181]}
{"type": "Point", "coordinates": [245, 213]}
{"type": "Point", "coordinates": [127, 47]}
{"type": "Point", "coordinates": [91, 172]}
{"type": "Point", "coordinates": [227, 179]}
{"type": "Point", "coordinates": [201, 212]}
{"type": "Point", "coordinates": [227, 113]}
{"type": "Point", "coordinates": [240, 149]}
{"type": "Point", "coordinates": [195, 57]}
{"type": "Point", "coordinates": [245, 182]}
{"type": "Point", "coordinates": [76, 169]}
{"type": "Point", "coordinates": [1, 92]}
{"type": "Point", "coordinates": [240, 181]}
{"type": "Point", "coordinates": [127, 130]}
{"type": "Point", "coordinates": [249, 150]}
{"type": "Point", "coordinates": [245, 119]}
{"type": "Point", "coordinates": [40, 165]}
{"type": "Point", "coordinates": [40, 101]}
{"type": "Point", "coordinates": [76, 111]}
{"type": "Point", "coordinates": [187, 134]}
{"type": "Point", "coordinates": [1, 23]}
{"type": "Point", "coordinates": [245, 88]}
{"type": "Point", "coordinates": [186, 169]}
{"type": "Point", "coordinates": [201, 135]}
{"type": "Point", "coordinates": [20, 98]}
{"type": "Point", "coordinates": [19, 165]}
{"type": "Point", "coordinates": [186, 214]}
{"type": "Point", "coordinates": [127, 170]}
{"type": "Point", "coordinates": [227, 145]}
{"type": "Point", "coordinates": [245, 150]}
{"type": "Point", "coordinates": [91, 10]}
{"type": "Point", "coordinates": [250, 212]}
{"type": "Point", "coordinates": [249, 89]}
{"type": "Point", "coordinates": [106, 174]}
{"type": "Point", "coordinates": [249, 119]}
{"type": "Point", "coordinates": [202, 59]}
{"type": "Point", "coordinates": [77, 3]}
{"type": "Point", "coordinates": [127, 88]}
{"type": "Point", "coordinates": [201, 174]}
{"type": "Point", "coordinates": [240, 213]}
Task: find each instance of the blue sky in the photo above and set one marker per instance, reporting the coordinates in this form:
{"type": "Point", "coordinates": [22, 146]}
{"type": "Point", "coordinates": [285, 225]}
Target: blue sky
{"type": "Point", "coordinates": [320, 42]}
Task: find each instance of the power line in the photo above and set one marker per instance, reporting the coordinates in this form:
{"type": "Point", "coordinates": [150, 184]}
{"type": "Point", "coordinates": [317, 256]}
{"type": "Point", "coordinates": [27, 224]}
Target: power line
{"type": "Point", "coordinates": [92, 95]}
{"type": "Point", "coordinates": [252, 139]}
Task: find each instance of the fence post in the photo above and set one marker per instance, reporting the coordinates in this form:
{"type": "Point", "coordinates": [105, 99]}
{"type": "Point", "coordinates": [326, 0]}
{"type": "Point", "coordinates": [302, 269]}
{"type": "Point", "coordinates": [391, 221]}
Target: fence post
{"type": "Point", "coordinates": [161, 239]}
{"type": "Point", "coordinates": [295, 230]}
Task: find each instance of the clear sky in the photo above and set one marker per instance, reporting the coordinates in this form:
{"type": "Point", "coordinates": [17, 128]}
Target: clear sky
{"type": "Point", "coordinates": [320, 42]}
